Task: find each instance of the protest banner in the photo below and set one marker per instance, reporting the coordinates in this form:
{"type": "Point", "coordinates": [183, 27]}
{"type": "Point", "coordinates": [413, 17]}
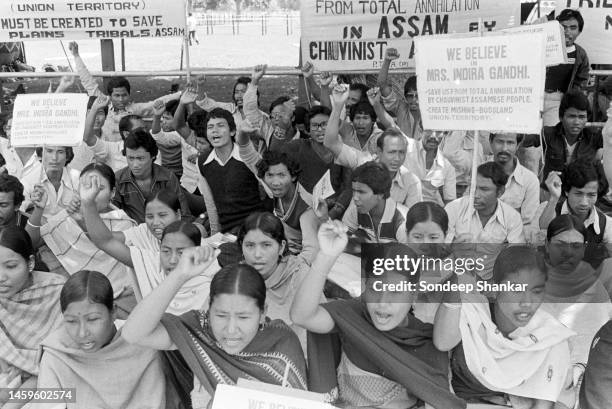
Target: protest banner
{"type": "Point", "coordinates": [596, 36]}
{"type": "Point", "coordinates": [352, 35]}
{"type": "Point", "coordinates": [76, 20]}
{"type": "Point", "coordinates": [481, 83]}
{"type": "Point", "coordinates": [236, 397]}
{"type": "Point", "coordinates": [49, 119]}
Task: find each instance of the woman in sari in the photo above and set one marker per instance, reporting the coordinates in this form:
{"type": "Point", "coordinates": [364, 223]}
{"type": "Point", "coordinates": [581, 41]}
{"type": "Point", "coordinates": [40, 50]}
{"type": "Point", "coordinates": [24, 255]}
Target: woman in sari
{"type": "Point", "coordinates": [232, 340]}
{"type": "Point", "coordinates": [150, 266]}
{"type": "Point", "coordinates": [574, 293]}
{"type": "Point", "coordinates": [65, 233]}
{"type": "Point", "coordinates": [29, 311]}
{"type": "Point", "coordinates": [510, 349]}
{"type": "Point", "coordinates": [387, 358]}
{"type": "Point", "coordinates": [87, 352]}
{"type": "Point", "coordinates": [426, 228]}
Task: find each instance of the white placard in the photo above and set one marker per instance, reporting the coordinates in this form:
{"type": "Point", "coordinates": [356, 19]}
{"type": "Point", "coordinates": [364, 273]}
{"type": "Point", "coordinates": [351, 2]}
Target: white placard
{"type": "Point", "coordinates": [596, 35]}
{"type": "Point", "coordinates": [49, 119]}
{"type": "Point", "coordinates": [234, 397]}
{"type": "Point", "coordinates": [322, 190]}
{"type": "Point", "coordinates": [352, 35]}
{"type": "Point", "coordinates": [555, 40]}
{"type": "Point", "coordinates": [85, 19]}
{"type": "Point", "coordinates": [482, 83]}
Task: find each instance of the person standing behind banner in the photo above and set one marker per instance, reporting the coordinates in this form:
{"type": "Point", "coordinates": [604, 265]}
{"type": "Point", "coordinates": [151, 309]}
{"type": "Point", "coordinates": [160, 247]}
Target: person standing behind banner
{"type": "Point", "coordinates": [565, 77]}
{"type": "Point", "coordinates": [406, 107]}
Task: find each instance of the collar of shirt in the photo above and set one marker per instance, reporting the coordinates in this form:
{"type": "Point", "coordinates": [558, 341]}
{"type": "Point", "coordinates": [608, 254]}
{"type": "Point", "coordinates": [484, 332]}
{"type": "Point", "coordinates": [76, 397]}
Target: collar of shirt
{"type": "Point", "coordinates": [158, 173]}
{"type": "Point", "coordinates": [400, 176]}
{"type": "Point", "coordinates": [390, 206]}
{"type": "Point", "coordinates": [127, 110]}
{"type": "Point", "coordinates": [213, 156]}
{"type": "Point", "coordinates": [66, 179]}
{"type": "Point", "coordinates": [592, 219]}
{"type": "Point", "coordinates": [498, 215]}
{"type": "Point", "coordinates": [519, 174]}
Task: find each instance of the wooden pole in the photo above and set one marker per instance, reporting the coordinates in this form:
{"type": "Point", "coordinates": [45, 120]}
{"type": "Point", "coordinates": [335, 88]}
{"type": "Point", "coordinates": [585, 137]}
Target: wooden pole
{"type": "Point", "coordinates": [107, 50]}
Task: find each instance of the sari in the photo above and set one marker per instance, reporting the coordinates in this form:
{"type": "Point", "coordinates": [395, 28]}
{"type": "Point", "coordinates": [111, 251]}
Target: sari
{"type": "Point", "coordinates": [94, 375]}
{"type": "Point", "coordinates": [595, 391]}
{"type": "Point", "coordinates": [532, 362]}
{"type": "Point", "coordinates": [404, 355]}
{"type": "Point", "coordinates": [26, 319]}
{"type": "Point", "coordinates": [76, 252]}
{"type": "Point", "coordinates": [274, 356]}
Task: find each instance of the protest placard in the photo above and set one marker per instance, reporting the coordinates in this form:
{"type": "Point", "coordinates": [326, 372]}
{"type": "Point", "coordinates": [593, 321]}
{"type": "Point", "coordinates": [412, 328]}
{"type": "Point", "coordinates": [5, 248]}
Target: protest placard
{"type": "Point", "coordinates": [322, 190]}
{"type": "Point", "coordinates": [235, 397]}
{"type": "Point", "coordinates": [482, 83]}
{"type": "Point", "coordinates": [555, 40]}
{"type": "Point", "coordinates": [352, 35]}
{"type": "Point", "coordinates": [48, 119]}
{"type": "Point", "coordinates": [596, 36]}
{"type": "Point", "coordinates": [85, 19]}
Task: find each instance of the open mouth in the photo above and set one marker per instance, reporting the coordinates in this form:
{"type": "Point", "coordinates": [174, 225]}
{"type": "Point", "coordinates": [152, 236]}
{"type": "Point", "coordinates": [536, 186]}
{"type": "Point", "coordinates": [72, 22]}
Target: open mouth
{"type": "Point", "coordinates": [382, 318]}
{"type": "Point", "coordinates": [88, 345]}
{"type": "Point", "coordinates": [523, 316]}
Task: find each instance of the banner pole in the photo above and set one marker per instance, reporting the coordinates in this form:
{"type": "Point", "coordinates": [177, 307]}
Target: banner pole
{"type": "Point", "coordinates": [186, 44]}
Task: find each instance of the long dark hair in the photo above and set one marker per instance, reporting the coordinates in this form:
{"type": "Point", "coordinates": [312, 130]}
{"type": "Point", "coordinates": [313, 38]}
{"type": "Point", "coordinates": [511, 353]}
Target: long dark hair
{"type": "Point", "coordinates": [239, 279]}
{"type": "Point", "coordinates": [269, 225]}
{"type": "Point", "coordinates": [87, 285]}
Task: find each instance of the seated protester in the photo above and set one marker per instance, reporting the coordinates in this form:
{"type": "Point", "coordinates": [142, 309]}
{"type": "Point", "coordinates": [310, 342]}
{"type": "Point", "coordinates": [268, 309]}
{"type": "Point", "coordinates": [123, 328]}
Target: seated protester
{"type": "Point", "coordinates": [458, 148]}
{"type": "Point", "coordinates": [57, 178]}
{"type": "Point", "coordinates": [107, 152]}
{"type": "Point", "coordinates": [234, 187]}
{"type": "Point", "coordinates": [405, 108]}
{"type": "Point", "coordinates": [491, 223]}
{"type": "Point", "coordinates": [574, 294]}
{"type": "Point", "coordinates": [161, 210]}
{"type": "Point", "coordinates": [392, 150]}
{"type": "Point", "coordinates": [522, 190]}
{"type": "Point", "coordinates": [236, 108]}
{"type": "Point", "coordinates": [66, 234]}
{"type": "Point", "coordinates": [20, 162]}
{"type": "Point", "coordinates": [510, 348]}
{"type": "Point", "coordinates": [167, 138]}
{"type": "Point", "coordinates": [142, 177]}
{"type": "Point", "coordinates": [88, 353]}
{"type": "Point", "coordinates": [280, 174]}
{"type": "Point", "coordinates": [373, 216]}
{"type": "Point", "coordinates": [361, 132]}
{"type": "Point", "coordinates": [11, 197]}
{"type": "Point", "coordinates": [314, 159]}
{"type": "Point", "coordinates": [426, 229]}
{"type": "Point", "coordinates": [576, 193]}
{"type": "Point", "coordinates": [387, 358]}
{"type": "Point", "coordinates": [265, 351]}
{"type": "Point", "coordinates": [29, 311]}
{"type": "Point", "coordinates": [572, 76]}
{"type": "Point", "coordinates": [150, 266]}
{"type": "Point", "coordinates": [118, 90]}
{"type": "Point", "coordinates": [277, 129]}
{"type": "Point", "coordinates": [595, 391]}
{"type": "Point", "coordinates": [569, 140]}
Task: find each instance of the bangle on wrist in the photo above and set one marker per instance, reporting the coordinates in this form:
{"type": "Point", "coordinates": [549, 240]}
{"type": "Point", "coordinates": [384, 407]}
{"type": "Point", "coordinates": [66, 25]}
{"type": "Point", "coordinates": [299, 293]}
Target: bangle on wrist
{"type": "Point", "coordinates": [32, 225]}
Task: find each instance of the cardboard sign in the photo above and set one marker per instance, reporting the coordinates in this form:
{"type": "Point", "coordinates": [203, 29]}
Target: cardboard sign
{"type": "Point", "coordinates": [322, 190]}
{"type": "Point", "coordinates": [49, 119]}
{"type": "Point", "coordinates": [596, 35]}
{"type": "Point", "coordinates": [352, 35]}
{"type": "Point", "coordinates": [235, 397]}
{"type": "Point", "coordinates": [85, 19]}
{"type": "Point", "coordinates": [555, 40]}
{"type": "Point", "coordinates": [482, 83]}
